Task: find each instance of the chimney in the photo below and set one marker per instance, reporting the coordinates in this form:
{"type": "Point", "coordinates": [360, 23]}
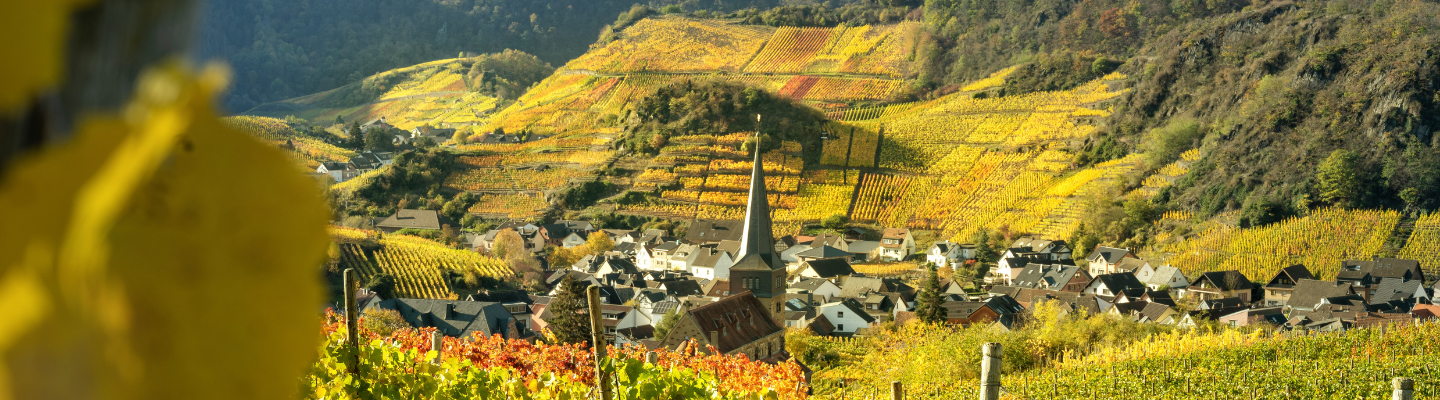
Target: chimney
{"type": "Point", "coordinates": [449, 311]}
{"type": "Point", "coordinates": [715, 340]}
{"type": "Point", "coordinates": [810, 298]}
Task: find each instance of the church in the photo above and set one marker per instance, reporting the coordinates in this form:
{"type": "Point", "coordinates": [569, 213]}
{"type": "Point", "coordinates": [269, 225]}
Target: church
{"type": "Point", "coordinates": [750, 321]}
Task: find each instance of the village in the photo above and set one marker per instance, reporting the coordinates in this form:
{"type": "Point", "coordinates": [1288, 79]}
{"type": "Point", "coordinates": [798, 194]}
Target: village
{"type": "Point", "coordinates": [734, 286]}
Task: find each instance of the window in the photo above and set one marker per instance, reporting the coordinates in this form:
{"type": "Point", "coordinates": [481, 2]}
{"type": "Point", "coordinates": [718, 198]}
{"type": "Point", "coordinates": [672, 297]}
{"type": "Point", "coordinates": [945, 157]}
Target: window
{"type": "Point", "coordinates": [840, 327]}
{"type": "Point", "coordinates": [1234, 323]}
{"type": "Point", "coordinates": [840, 314]}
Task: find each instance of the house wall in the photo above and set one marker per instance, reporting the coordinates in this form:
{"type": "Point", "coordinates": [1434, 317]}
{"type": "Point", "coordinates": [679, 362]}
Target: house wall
{"type": "Point", "coordinates": [572, 241]}
{"type": "Point", "coordinates": [982, 315]}
{"type": "Point", "coordinates": [847, 323]}
{"type": "Point", "coordinates": [1278, 297]}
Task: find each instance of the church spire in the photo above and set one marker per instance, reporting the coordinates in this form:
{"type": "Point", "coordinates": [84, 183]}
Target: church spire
{"type": "Point", "coordinates": [758, 237]}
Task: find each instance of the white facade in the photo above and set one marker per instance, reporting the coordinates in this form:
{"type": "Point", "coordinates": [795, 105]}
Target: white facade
{"type": "Point", "coordinates": [842, 317]}
{"type": "Point", "coordinates": [572, 240]}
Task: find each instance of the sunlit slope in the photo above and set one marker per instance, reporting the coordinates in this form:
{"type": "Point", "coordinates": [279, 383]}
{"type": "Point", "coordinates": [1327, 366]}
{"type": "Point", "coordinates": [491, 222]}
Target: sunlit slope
{"type": "Point", "coordinates": [435, 93]}
{"type": "Point", "coordinates": [305, 150]}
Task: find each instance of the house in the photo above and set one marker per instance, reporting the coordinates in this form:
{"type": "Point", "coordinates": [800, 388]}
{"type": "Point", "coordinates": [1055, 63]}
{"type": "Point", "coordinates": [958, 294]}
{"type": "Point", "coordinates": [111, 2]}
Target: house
{"type": "Point", "coordinates": [846, 315]}
{"type": "Point", "coordinates": [370, 160]}
{"type": "Point", "coordinates": [1001, 309]}
{"type": "Point", "coordinates": [1370, 273]}
{"type": "Point", "coordinates": [659, 256]}
{"type": "Point", "coordinates": [821, 290]}
{"type": "Point", "coordinates": [1282, 286]}
{"type": "Point", "coordinates": [865, 250]}
{"type": "Point", "coordinates": [619, 236]}
{"type": "Point", "coordinates": [337, 171]}
{"type": "Point", "coordinates": [1053, 250]}
{"type": "Point", "coordinates": [567, 233]}
{"type": "Point", "coordinates": [613, 316]}
{"type": "Point", "coordinates": [829, 268]}
{"type": "Point", "coordinates": [1106, 260]}
{"type": "Point", "coordinates": [438, 134]}
{"type": "Point", "coordinates": [1007, 268]}
{"type": "Point", "coordinates": [601, 265]}
{"type": "Point", "coordinates": [711, 263]}
{"type": "Point", "coordinates": [1222, 284]}
{"type": "Point", "coordinates": [1307, 294]}
{"type": "Point", "coordinates": [1112, 284]}
{"type": "Point", "coordinates": [415, 219]}
{"type": "Point", "coordinates": [896, 244]}
{"type": "Point", "coordinates": [735, 325]}
{"type": "Point", "coordinates": [529, 234]}
{"type": "Point", "coordinates": [1066, 278]}
{"type": "Point", "coordinates": [457, 318]}
{"type": "Point", "coordinates": [1406, 291]}
{"type": "Point", "coordinates": [1252, 316]}
{"type": "Point", "coordinates": [1164, 277]}
{"type": "Point", "coordinates": [1156, 312]}
{"type": "Point", "coordinates": [713, 231]}
{"type": "Point", "coordinates": [948, 254]}
{"type": "Point", "coordinates": [822, 252]}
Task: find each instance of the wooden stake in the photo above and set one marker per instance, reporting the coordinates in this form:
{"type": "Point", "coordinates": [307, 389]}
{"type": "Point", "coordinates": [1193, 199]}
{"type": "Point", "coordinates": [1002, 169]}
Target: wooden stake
{"type": "Point", "coordinates": [597, 342]}
{"type": "Point", "coordinates": [990, 371]}
{"type": "Point", "coordinates": [352, 315]}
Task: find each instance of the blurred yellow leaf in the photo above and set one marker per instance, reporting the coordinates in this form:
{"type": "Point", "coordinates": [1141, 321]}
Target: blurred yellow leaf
{"type": "Point", "coordinates": [35, 32]}
{"type": "Point", "coordinates": [159, 255]}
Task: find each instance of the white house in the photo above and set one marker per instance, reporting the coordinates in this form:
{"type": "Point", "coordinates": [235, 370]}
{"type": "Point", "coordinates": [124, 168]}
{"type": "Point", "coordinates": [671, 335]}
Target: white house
{"type": "Point", "coordinates": [896, 244]}
{"type": "Point", "coordinates": [338, 171]}
{"type": "Point", "coordinates": [1166, 275]}
{"type": "Point", "coordinates": [946, 254]}
{"type": "Point", "coordinates": [643, 258]}
{"type": "Point", "coordinates": [846, 315]}
{"type": "Point", "coordinates": [575, 238]}
{"type": "Point", "coordinates": [711, 263]}
{"type": "Point", "coordinates": [1106, 260]}
{"type": "Point", "coordinates": [1112, 284]}
{"type": "Point", "coordinates": [820, 290]}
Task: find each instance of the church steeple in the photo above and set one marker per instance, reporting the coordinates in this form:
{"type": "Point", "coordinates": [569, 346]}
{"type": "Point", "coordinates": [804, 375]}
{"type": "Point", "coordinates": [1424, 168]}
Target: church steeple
{"type": "Point", "coordinates": [758, 237]}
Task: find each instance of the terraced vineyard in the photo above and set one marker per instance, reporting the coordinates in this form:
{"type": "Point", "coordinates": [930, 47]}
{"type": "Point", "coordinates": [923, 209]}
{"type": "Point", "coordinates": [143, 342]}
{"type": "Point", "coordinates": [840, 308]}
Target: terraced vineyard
{"type": "Point", "coordinates": [1320, 241]}
{"type": "Point", "coordinates": [308, 151]}
{"type": "Point", "coordinates": [416, 263]}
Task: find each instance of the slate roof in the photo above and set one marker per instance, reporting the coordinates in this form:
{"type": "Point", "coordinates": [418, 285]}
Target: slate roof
{"type": "Point", "coordinates": [1162, 275]}
{"type": "Point", "coordinates": [1224, 281]}
{"type": "Point", "coordinates": [855, 307]}
{"type": "Point", "coordinates": [821, 325]}
{"type": "Point", "coordinates": [741, 319]}
{"type": "Point", "coordinates": [1045, 276]}
{"type": "Point", "coordinates": [944, 247]}
{"type": "Point", "coordinates": [823, 251]}
{"type": "Point", "coordinates": [856, 286]}
{"type": "Point", "coordinates": [704, 230]}
{"type": "Point", "coordinates": [808, 284]}
{"type": "Point", "coordinates": [1130, 264]}
{"type": "Point", "coordinates": [464, 319]}
{"type": "Point", "coordinates": [1397, 268]}
{"type": "Point", "coordinates": [1228, 302]}
{"type": "Point", "coordinates": [1154, 311]}
{"type": "Point", "coordinates": [1111, 255]}
{"type": "Point", "coordinates": [416, 219]}
{"type": "Point", "coordinates": [1294, 272]}
{"type": "Point", "coordinates": [1309, 292]}
{"type": "Point", "coordinates": [501, 296]}
{"type": "Point", "coordinates": [682, 288]}
{"type": "Point", "coordinates": [1118, 282]}
{"type": "Point", "coordinates": [1396, 289]}
{"type": "Point", "coordinates": [830, 267]}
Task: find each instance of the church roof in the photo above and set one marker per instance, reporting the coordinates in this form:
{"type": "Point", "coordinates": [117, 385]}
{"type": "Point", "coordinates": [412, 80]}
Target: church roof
{"type": "Point", "coordinates": [757, 242]}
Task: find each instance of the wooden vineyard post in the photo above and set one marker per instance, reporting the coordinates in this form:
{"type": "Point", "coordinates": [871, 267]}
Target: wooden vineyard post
{"type": "Point", "coordinates": [437, 344]}
{"type": "Point", "coordinates": [1404, 389]}
{"type": "Point", "coordinates": [352, 315]}
{"type": "Point", "coordinates": [897, 392]}
{"type": "Point", "coordinates": [597, 341]}
{"type": "Point", "coordinates": [990, 371]}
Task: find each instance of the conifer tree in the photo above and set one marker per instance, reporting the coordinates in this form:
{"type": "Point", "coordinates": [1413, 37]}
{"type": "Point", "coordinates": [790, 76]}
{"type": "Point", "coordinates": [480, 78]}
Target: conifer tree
{"type": "Point", "coordinates": [569, 324]}
{"type": "Point", "coordinates": [930, 307]}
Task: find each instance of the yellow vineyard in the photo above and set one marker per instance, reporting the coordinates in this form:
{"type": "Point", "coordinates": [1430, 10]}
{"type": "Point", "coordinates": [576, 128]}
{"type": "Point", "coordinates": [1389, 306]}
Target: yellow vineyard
{"type": "Point", "coordinates": [416, 263]}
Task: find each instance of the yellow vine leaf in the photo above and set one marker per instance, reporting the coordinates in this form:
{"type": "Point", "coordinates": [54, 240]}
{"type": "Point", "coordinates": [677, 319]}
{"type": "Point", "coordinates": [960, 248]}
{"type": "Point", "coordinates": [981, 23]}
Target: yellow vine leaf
{"type": "Point", "coordinates": [159, 255]}
{"type": "Point", "coordinates": [36, 48]}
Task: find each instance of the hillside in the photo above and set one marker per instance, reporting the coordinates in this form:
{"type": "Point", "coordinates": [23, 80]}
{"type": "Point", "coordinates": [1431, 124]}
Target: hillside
{"type": "Point", "coordinates": [986, 156]}
{"type": "Point", "coordinates": [420, 268]}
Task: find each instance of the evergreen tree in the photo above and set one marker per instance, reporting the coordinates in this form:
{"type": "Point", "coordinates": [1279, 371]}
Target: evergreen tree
{"type": "Point", "coordinates": [983, 251]}
{"type": "Point", "coordinates": [930, 305]}
{"type": "Point", "coordinates": [569, 324]}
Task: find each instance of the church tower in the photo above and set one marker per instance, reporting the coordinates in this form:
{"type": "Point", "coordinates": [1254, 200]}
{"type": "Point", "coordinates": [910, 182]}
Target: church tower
{"type": "Point", "coordinates": [758, 268]}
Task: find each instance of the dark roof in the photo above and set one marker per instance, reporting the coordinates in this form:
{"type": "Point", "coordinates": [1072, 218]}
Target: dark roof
{"type": "Point", "coordinates": [821, 325]}
{"type": "Point", "coordinates": [823, 251]}
{"type": "Point", "coordinates": [831, 267]}
{"type": "Point", "coordinates": [703, 230]}
{"type": "Point", "coordinates": [501, 296]}
{"type": "Point", "coordinates": [1225, 280]}
{"type": "Point", "coordinates": [465, 317]}
{"type": "Point", "coordinates": [741, 319]}
{"type": "Point", "coordinates": [856, 286]}
{"type": "Point", "coordinates": [663, 307]}
{"type": "Point", "coordinates": [683, 288]}
{"type": "Point", "coordinates": [1153, 311]}
{"type": "Point", "coordinates": [1111, 255]}
{"type": "Point", "coordinates": [1396, 289]}
{"type": "Point", "coordinates": [416, 219]}
{"type": "Point", "coordinates": [809, 284]}
{"type": "Point", "coordinates": [856, 307]}
{"type": "Point", "coordinates": [638, 332]}
{"type": "Point", "coordinates": [1398, 269]}
{"type": "Point", "coordinates": [962, 309]}
{"type": "Point", "coordinates": [1045, 276]}
{"type": "Point", "coordinates": [1294, 272]}
{"type": "Point", "coordinates": [1133, 307]}
{"type": "Point", "coordinates": [1309, 292]}
{"type": "Point", "coordinates": [1119, 282]}
{"type": "Point", "coordinates": [1228, 302]}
